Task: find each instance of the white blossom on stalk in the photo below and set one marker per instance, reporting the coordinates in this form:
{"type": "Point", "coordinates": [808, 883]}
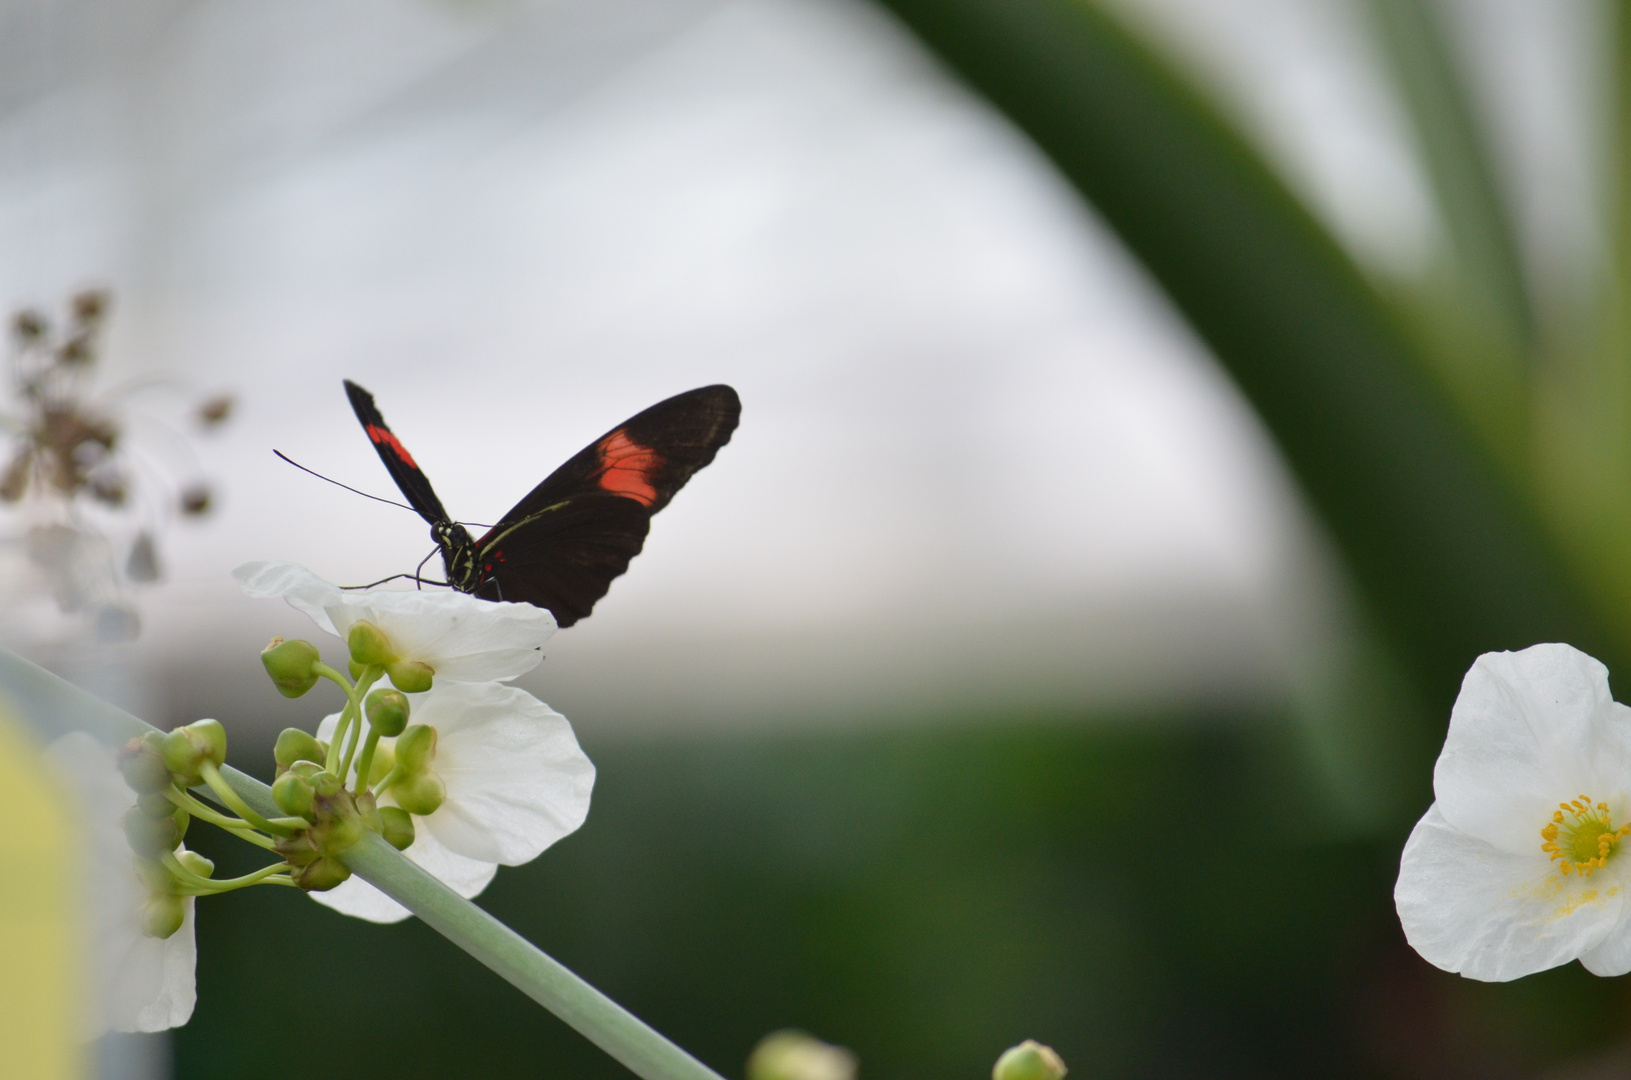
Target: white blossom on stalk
{"type": "Point", "coordinates": [460, 638]}
{"type": "Point", "coordinates": [138, 983]}
{"type": "Point", "coordinates": [516, 781]}
{"type": "Point", "coordinates": [1521, 863]}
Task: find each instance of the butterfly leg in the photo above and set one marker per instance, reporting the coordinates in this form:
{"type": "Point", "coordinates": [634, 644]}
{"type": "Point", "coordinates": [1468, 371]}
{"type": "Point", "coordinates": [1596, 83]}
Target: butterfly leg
{"type": "Point", "coordinates": [416, 577]}
{"type": "Point", "coordinates": [381, 581]}
{"type": "Point", "coordinates": [418, 569]}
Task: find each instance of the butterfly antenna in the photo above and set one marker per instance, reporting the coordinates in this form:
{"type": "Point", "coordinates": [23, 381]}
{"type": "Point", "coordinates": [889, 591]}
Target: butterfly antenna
{"type": "Point", "coordinates": [348, 487]}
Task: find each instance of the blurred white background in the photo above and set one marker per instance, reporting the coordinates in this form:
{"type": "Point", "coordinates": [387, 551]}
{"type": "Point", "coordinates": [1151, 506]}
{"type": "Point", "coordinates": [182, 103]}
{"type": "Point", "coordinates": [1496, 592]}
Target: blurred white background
{"type": "Point", "coordinates": [980, 464]}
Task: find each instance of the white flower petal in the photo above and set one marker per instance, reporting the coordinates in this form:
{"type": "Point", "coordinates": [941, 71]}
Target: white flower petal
{"type": "Point", "coordinates": [1613, 956]}
{"type": "Point", "coordinates": [151, 985]}
{"type": "Point", "coordinates": [1470, 907]}
{"type": "Point", "coordinates": [463, 639]}
{"type": "Point", "coordinates": [300, 588]}
{"type": "Point", "coordinates": [516, 779]}
{"type": "Point", "coordinates": [355, 897]}
{"type": "Point", "coordinates": [138, 983]}
{"type": "Point", "coordinates": [1529, 730]}
{"type": "Point", "coordinates": [360, 900]}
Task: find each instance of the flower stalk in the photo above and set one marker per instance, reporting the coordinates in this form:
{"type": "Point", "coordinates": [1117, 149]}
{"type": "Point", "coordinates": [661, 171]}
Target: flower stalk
{"type": "Point", "coordinates": [523, 965]}
{"type": "Point", "coordinates": [54, 707]}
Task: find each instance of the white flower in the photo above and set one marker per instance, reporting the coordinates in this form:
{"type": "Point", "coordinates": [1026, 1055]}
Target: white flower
{"type": "Point", "coordinates": [139, 983]}
{"type": "Point", "coordinates": [461, 638]}
{"type": "Point", "coordinates": [1523, 861]}
{"type": "Point", "coordinates": [516, 781]}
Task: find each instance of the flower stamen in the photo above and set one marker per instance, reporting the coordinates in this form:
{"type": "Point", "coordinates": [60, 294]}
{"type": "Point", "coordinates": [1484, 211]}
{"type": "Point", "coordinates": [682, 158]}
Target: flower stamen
{"type": "Point", "coordinates": [1581, 836]}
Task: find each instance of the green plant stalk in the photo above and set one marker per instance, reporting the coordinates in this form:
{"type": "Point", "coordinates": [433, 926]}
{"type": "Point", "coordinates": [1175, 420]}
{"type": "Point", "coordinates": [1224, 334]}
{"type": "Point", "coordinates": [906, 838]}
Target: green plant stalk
{"type": "Point", "coordinates": [1473, 310]}
{"type": "Point", "coordinates": [594, 1015]}
{"type": "Point", "coordinates": [53, 707]}
{"type": "Point", "coordinates": [1457, 158]}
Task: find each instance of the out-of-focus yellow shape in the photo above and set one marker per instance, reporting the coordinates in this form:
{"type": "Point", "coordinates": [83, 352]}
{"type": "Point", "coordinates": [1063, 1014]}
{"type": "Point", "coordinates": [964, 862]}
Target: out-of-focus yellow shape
{"type": "Point", "coordinates": [39, 916]}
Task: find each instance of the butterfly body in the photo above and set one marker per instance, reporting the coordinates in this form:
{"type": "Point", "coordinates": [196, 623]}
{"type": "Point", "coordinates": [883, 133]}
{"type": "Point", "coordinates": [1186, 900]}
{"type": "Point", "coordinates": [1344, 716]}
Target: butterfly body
{"type": "Point", "coordinates": [561, 546]}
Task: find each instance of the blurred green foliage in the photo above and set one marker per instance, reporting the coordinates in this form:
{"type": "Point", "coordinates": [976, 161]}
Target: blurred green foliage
{"type": "Point", "coordinates": [1447, 545]}
{"type": "Point", "coordinates": [1155, 897]}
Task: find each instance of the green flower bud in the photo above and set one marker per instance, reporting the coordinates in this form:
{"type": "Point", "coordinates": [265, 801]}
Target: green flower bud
{"type": "Point", "coordinates": [410, 676]}
{"type": "Point", "coordinates": [291, 665]}
{"type": "Point", "coordinates": [384, 762]}
{"type": "Point", "coordinates": [143, 765]}
{"type": "Point", "coordinates": [195, 862]}
{"type": "Point", "coordinates": [368, 644]}
{"type": "Point", "coordinates": [155, 805]}
{"type": "Point", "coordinates": [419, 794]}
{"type": "Point", "coordinates": [339, 821]}
{"type": "Point", "coordinates": [294, 795]}
{"type": "Point", "coordinates": [162, 915]}
{"type": "Point", "coordinates": [793, 1055]}
{"type": "Point", "coordinates": [398, 826]}
{"type": "Point", "coordinates": [416, 747]}
{"type": "Point", "coordinates": [355, 669]}
{"type": "Point", "coordinates": [368, 810]}
{"type": "Point", "coordinates": [295, 745]}
{"type": "Point", "coordinates": [321, 874]}
{"type": "Point", "coordinates": [387, 711]}
{"type": "Point", "coordinates": [151, 837]}
{"type": "Point", "coordinates": [326, 784]}
{"type": "Point", "coordinates": [186, 749]}
{"type": "Point", "coordinates": [156, 876]}
{"type": "Point", "coordinates": [1030, 1060]}
{"type": "Point", "coordinates": [297, 850]}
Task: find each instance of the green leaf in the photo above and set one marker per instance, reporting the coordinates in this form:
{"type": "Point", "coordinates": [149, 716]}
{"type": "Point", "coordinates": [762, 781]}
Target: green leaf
{"type": "Point", "coordinates": [1450, 562]}
{"type": "Point", "coordinates": [1458, 161]}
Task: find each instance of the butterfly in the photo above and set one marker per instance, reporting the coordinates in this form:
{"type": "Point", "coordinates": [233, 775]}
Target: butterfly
{"type": "Point", "coordinates": [561, 546]}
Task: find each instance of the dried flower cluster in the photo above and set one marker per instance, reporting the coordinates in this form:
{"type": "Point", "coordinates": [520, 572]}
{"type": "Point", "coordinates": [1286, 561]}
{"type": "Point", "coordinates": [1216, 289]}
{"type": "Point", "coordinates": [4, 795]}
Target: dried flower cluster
{"type": "Point", "coordinates": [69, 456]}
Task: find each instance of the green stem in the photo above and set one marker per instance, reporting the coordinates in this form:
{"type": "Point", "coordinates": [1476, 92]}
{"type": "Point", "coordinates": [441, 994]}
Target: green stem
{"type": "Point", "coordinates": [336, 746]}
{"type": "Point", "coordinates": [213, 885]}
{"type": "Point", "coordinates": [551, 984]}
{"type": "Point", "coordinates": [236, 826]}
{"type": "Point", "coordinates": [397, 772]}
{"type": "Point", "coordinates": [54, 707]}
{"type": "Point", "coordinates": [351, 744]}
{"type": "Point", "coordinates": [333, 676]}
{"type": "Point", "coordinates": [365, 764]}
{"type": "Point", "coordinates": [339, 754]}
{"type": "Point", "coordinates": [223, 790]}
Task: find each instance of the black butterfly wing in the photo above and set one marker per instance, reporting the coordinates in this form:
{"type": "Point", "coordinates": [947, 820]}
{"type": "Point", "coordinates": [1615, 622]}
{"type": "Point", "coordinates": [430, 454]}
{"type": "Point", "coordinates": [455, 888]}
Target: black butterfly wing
{"type": "Point", "coordinates": [564, 558]}
{"type": "Point", "coordinates": [646, 458]}
{"type": "Point", "coordinates": [561, 546]}
{"type": "Point", "coordinates": [398, 462]}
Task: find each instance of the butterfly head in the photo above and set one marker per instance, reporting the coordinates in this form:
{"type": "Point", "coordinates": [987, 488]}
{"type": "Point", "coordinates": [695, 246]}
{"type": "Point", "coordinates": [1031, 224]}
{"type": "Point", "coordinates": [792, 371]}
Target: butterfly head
{"type": "Point", "coordinates": [458, 552]}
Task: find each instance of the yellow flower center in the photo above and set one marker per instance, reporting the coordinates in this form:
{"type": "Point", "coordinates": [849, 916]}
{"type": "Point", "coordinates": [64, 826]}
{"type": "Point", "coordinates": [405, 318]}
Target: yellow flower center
{"type": "Point", "coordinates": [1581, 836]}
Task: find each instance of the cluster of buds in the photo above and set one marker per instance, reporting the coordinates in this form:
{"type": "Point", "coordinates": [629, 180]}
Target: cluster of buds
{"type": "Point", "coordinates": [395, 758]}
{"type": "Point", "coordinates": [159, 768]}
{"type": "Point", "coordinates": [336, 818]}
{"type": "Point", "coordinates": [432, 749]}
{"type": "Point", "coordinates": [450, 766]}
